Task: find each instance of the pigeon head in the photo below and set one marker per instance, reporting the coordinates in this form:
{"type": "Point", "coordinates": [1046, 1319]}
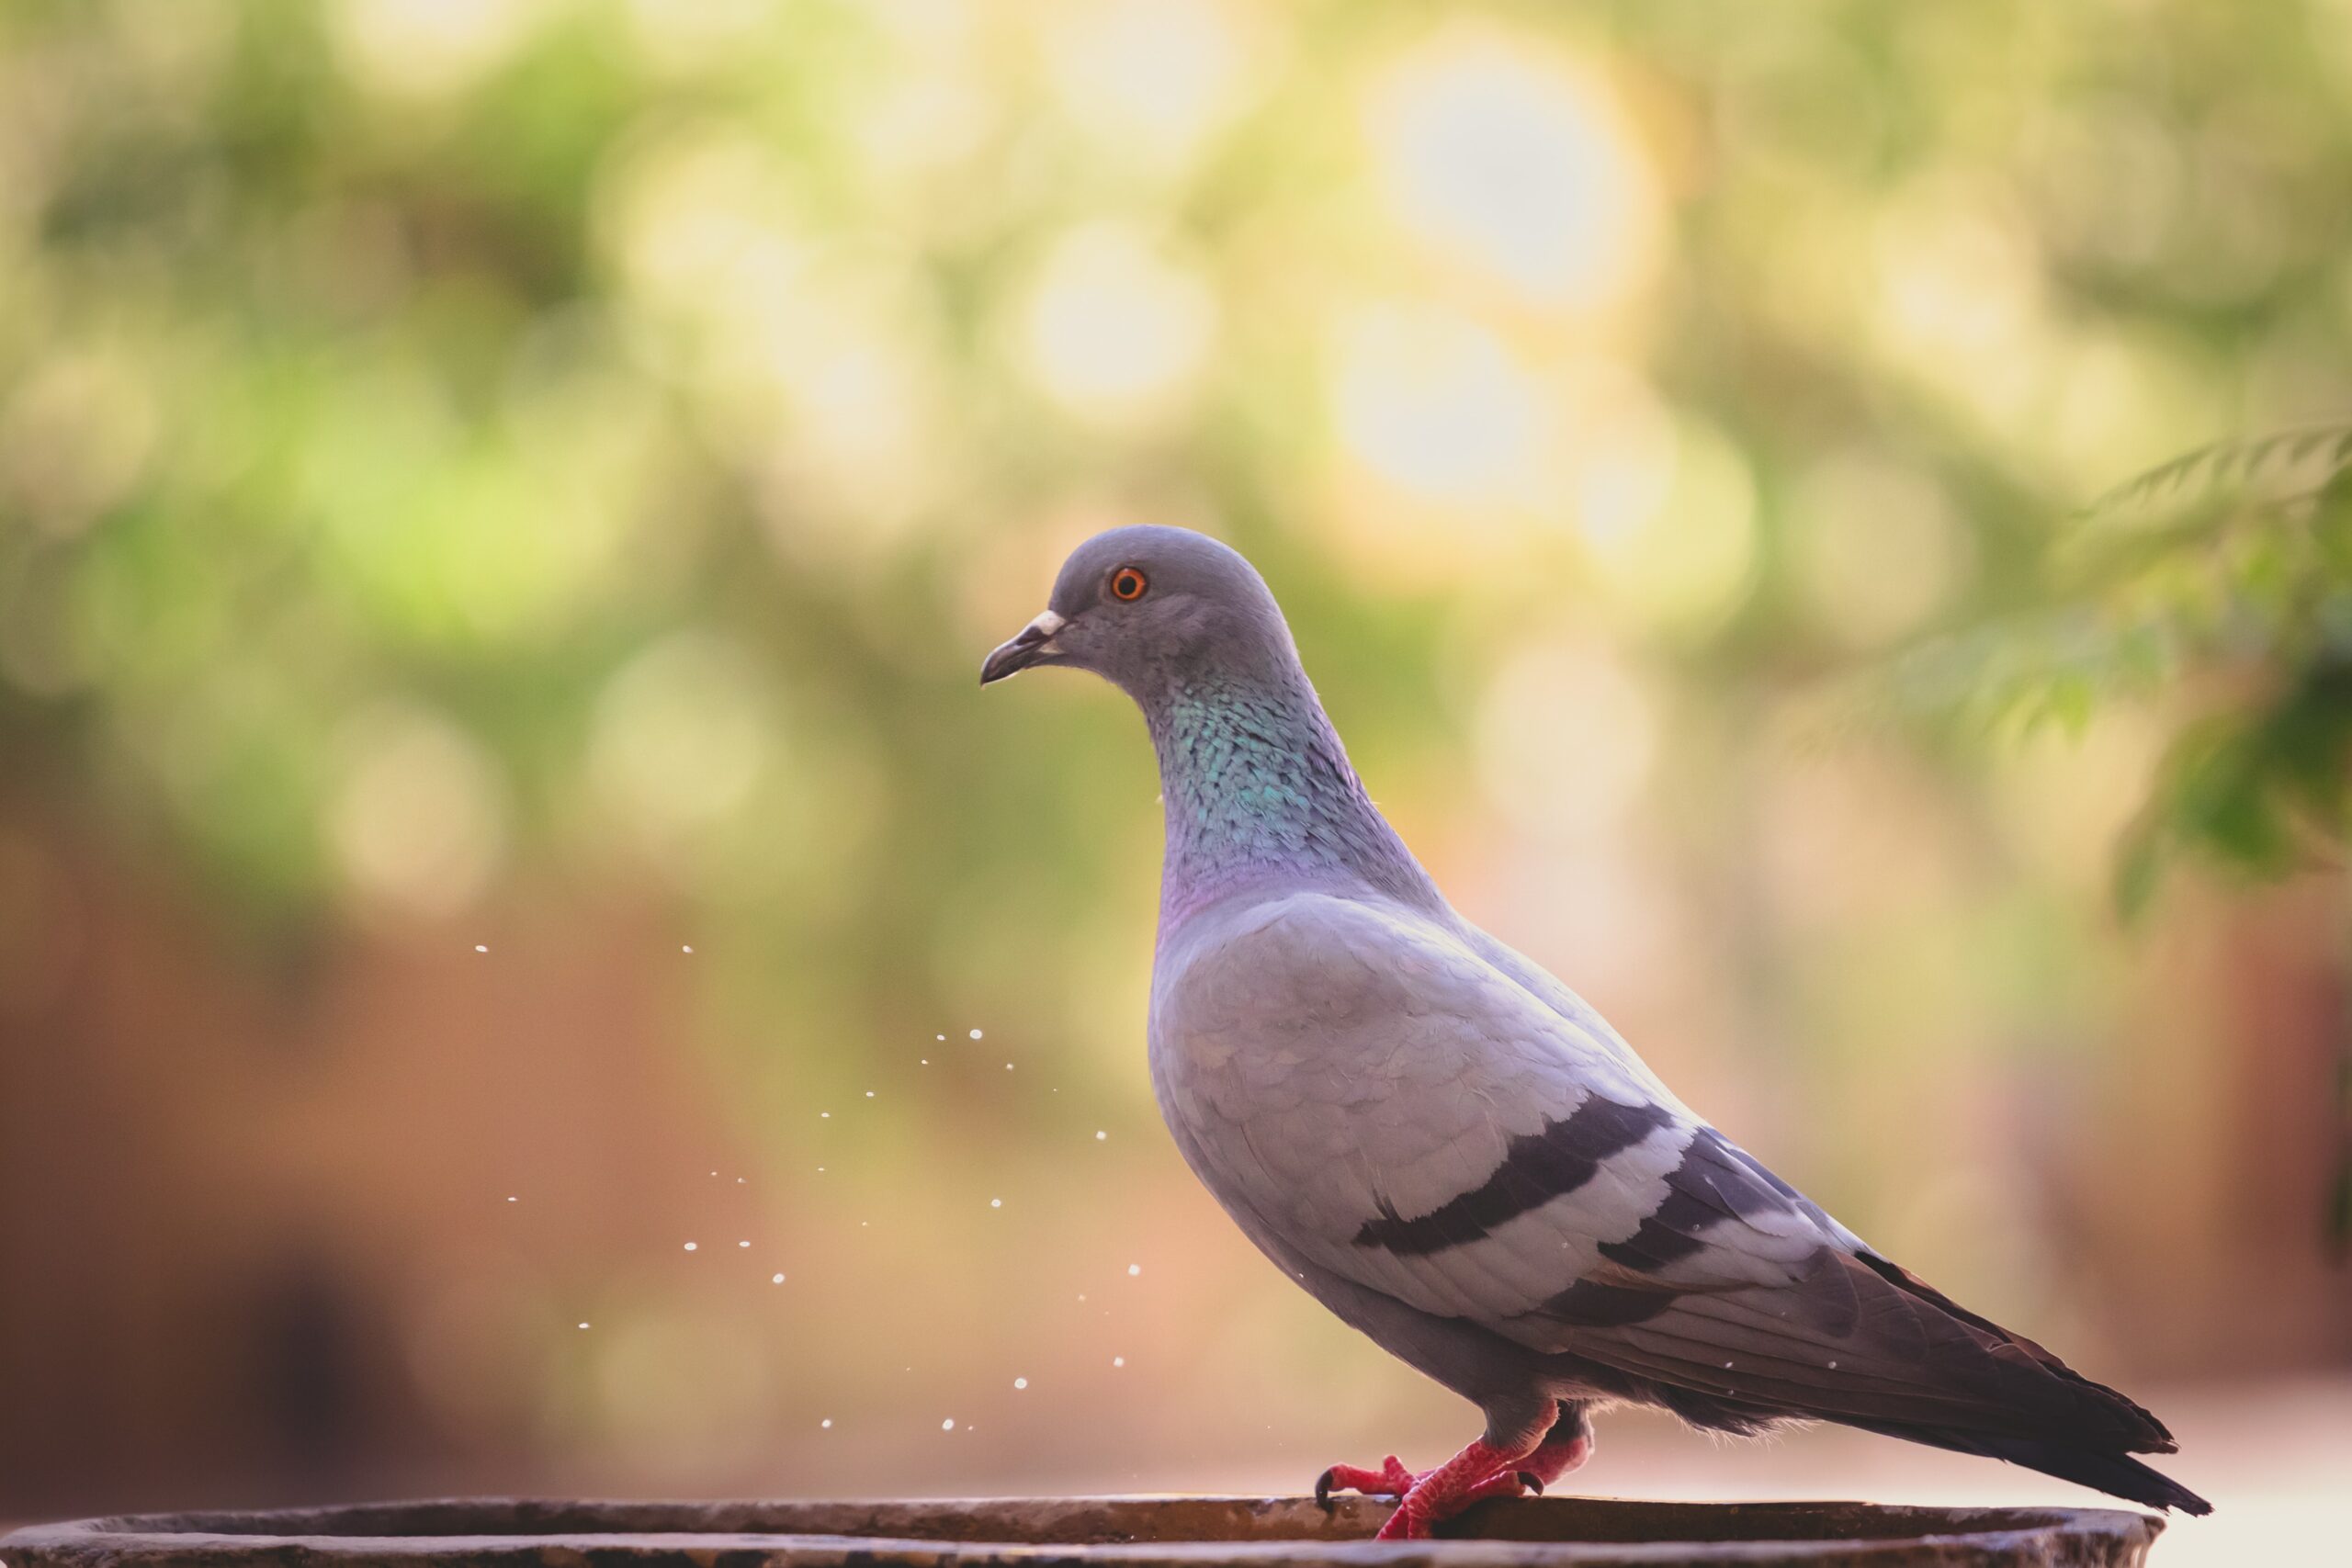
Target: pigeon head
{"type": "Point", "coordinates": [1152, 609]}
{"type": "Point", "coordinates": [1253, 777]}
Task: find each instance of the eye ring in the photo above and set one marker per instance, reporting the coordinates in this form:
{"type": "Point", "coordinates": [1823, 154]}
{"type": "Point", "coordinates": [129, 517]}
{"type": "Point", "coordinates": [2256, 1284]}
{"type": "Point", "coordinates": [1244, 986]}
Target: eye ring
{"type": "Point", "coordinates": [1128, 584]}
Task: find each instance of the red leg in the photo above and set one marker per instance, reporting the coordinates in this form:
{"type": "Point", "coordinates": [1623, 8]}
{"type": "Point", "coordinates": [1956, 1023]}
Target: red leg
{"type": "Point", "coordinates": [1478, 1472]}
{"type": "Point", "coordinates": [1557, 1456]}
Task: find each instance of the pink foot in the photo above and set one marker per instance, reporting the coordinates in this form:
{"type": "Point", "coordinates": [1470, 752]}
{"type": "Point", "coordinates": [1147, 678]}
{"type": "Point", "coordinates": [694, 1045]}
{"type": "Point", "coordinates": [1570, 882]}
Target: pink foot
{"type": "Point", "coordinates": [1391, 1480]}
{"type": "Point", "coordinates": [1477, 1472]}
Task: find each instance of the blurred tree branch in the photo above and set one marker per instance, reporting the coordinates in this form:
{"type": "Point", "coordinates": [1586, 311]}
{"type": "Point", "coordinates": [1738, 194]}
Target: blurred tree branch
{"type": "Point", "coordinates": [2216, 588]}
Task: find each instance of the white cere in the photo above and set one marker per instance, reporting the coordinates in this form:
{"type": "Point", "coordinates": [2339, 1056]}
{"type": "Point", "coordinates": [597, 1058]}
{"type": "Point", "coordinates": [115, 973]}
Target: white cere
{"type": "Point", "coordinates": [1118, 1360]}
{"type": "Point", "coordinates": [1134, 1269]}
{"type": "Point", "coordinates": [1100, 1136]}
{"type": "Point", "coordinates": [976, 1034]}
{"type": "Point", "coordinates": [690, 1246]}
{"type": "Point", "coordinates": [996, 1202]}
{"type": "Point", "coordinates": [948, 1425]}
{"type": "Point", "coordinates": [775, 1278]}
{"type": "Point", "coordinates": [1021, 1383]}
{"type": "Point", "coordinates": [480, 947]}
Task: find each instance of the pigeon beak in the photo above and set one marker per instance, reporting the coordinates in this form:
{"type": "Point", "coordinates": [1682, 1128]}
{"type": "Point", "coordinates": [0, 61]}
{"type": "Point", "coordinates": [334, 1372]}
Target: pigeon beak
{"type": "Point", "coordinates": [1035, 642]}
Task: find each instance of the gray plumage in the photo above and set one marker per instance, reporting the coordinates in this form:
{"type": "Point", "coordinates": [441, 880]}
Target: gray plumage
{"type": "Point", "coordinates": [1448, 1147]}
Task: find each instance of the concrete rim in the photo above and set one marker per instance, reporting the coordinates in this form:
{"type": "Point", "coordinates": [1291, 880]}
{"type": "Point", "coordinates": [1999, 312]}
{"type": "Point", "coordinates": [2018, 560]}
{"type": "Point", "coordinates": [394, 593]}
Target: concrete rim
{"type": "Point", "coordinates": [1128, 1532]}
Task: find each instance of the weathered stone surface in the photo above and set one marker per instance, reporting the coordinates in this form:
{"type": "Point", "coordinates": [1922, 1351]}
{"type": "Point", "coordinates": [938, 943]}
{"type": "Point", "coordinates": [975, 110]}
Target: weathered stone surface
{"type": "Point", "coordinates": [1116, 1533]}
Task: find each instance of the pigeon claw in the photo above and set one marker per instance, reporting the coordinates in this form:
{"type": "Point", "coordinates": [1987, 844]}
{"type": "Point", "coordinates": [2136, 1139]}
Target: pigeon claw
{"type": "Point", "coordinates": [1391, 1480]}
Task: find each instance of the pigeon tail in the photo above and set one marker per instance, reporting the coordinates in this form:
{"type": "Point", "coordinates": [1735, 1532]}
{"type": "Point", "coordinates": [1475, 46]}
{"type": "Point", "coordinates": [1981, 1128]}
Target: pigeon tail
{"type": "Point", "coordinates": [2116, 1474]}
{"type": "Point", "coordinates": [2092, 1453]}
{"type": "Point", "coordinates": [1864, 1342]}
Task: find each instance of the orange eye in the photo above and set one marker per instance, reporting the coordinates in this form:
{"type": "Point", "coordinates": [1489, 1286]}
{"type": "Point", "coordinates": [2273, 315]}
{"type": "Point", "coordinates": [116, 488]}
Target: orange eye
{"type": "Point", "coordinates": [1127, 585]}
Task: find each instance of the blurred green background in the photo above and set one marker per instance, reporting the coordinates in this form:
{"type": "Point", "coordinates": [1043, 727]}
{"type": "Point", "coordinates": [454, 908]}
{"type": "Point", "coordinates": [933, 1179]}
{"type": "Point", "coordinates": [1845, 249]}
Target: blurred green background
{"type": "Point", "coordinates": [502, 503]}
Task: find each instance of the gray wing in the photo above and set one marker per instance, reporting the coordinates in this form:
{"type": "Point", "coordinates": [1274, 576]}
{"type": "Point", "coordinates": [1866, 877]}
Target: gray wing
{"type": "Point", "coordinates": [1415, 1120]}
{"type": "Point", "coordinates": [1410, 1115]}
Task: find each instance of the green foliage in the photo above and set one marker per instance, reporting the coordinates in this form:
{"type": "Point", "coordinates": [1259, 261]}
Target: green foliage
{"type": "Point", "coordinates": [2216, 589]}
{"type": "Point", "coordinates": [460, 449]}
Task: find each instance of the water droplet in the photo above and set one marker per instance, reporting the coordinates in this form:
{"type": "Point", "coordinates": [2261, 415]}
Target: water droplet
{"type": "Point", "coordinates": [584, 1325]}
{"type": "Point", "coordinates": [775, 1278]}
{"type": "Point", "coordinates": [1008, 1066]}
{"type": "Point", "coordinates": [480, 947]}
{"type": "Point", "coordinates": [685, 950]}
{"type": "Point", "coordinates": [926, 1061]}
{"type": "Point", "coordinates": [869, 1094]}
{"type": "Point", "coordinates": [976, 1034]}
{"type": "Point", "coordinates": [1118, 1360]}
{"type": "Point", "coordinates": [824, 1116]}
{"type": "Point", "coordinates": [510, 1200]}
{"type": "Point", "coordinates": [1134, 1269]}
{"type": "Point", "coordinates": [690, 1246]}
{"type": "Point", "coordinates": [827, 1423]}
{"type": "Point", "coordinates": [1017, 1382]}
{"type": "Point", "coordinates": [939, 1037]}
{"type": "Point", "coordinates": [996, 1202]}
{"type": "Point", "coordinates": [1833, 1366]}
{"type": "Point", "coordinates": [742, 1244]}
{"type": "Point", "coordinates": [1100, 1136]}
{"type": "Point", "coordinates": [948, 1425]}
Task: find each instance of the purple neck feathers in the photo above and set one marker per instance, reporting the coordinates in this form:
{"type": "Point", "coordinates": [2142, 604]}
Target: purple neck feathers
{"type": "Point", "coordinates": [1258, 789]}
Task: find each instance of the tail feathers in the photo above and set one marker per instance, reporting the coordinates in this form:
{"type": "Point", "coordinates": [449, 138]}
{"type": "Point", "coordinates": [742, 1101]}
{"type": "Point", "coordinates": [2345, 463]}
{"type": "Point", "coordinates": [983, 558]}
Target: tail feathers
{"type": "Point", "coordinates": [2118, 1474]}
{"type": "Point", "coordinates": [1857, 1341]}
{"type": "Point", "coordinates": [2103, 1416]}
{"type": "Point", "coordinates": [2087, 1460]}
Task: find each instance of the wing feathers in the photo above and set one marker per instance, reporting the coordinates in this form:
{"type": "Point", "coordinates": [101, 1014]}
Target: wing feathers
{"type": "Point", "coordinates": [1708, 1188]}
{"type": "Point", "coordinates": [1552, 1162]}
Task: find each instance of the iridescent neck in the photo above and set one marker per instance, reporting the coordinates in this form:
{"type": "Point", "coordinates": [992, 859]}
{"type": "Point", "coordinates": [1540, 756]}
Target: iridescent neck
{"type": "Point", "coordinates": [1257, 787]}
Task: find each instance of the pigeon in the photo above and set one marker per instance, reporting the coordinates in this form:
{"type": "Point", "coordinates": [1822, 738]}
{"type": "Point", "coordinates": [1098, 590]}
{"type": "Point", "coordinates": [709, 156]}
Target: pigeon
{"type": "Point", "coordinates": [1452, 1150]}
